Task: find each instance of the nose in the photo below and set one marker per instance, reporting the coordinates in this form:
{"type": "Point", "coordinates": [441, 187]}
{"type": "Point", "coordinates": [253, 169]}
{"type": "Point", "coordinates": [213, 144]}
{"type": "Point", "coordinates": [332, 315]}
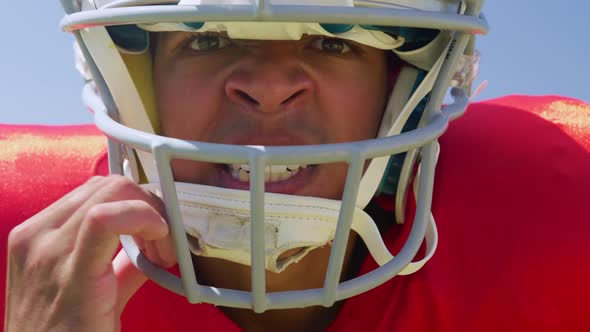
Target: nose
{"type": "Point", "coordinates": [269, 78]}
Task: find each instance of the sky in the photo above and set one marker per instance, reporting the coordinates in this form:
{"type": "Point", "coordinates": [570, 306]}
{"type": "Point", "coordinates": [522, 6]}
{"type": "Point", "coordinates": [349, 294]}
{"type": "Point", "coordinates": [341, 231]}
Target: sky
{"type": "Point", "coordinates": [534, 47]}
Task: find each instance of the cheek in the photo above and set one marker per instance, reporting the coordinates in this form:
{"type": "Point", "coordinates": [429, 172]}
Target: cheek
{"type": "Point", "coordinates": [355, 103]}
{"type": "Point", "coordinates": [186, 103]}
{"type": "Point", "coordinates": [182, 113]}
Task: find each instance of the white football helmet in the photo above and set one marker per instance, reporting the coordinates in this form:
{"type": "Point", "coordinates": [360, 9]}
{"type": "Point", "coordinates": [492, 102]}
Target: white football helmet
{"type": "Point", "coordinates": [435, 40]}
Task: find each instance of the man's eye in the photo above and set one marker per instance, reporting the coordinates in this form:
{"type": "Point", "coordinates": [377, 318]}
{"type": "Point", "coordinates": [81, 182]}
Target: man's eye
{"type": "Point", "coordinates": [331, 45]}
{"type": "Point", "coordinates": [208, 43]}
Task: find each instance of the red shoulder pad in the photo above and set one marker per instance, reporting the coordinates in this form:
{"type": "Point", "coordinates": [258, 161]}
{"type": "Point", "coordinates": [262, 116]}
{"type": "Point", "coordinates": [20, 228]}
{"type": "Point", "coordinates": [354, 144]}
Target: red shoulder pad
{"type": "Point", "coordinates": [39, 164]}
{"type": "Point", "coordinates": [570, 115]}
{"type": "Point", "coordinates": [511, 202]}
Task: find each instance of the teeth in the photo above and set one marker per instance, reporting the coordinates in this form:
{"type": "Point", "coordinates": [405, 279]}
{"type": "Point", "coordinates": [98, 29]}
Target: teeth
{"type": "Point", "coordinates": [267, 172]}
{"type": "Point", "coordinates": [244, 175]}
{"type": "Point", "coordinates": [272, 173]}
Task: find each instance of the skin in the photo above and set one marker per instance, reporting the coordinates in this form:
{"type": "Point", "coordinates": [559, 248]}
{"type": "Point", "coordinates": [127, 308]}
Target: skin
{"type": "Point", "coordinates": [61, 275]}
{"type": "Point", "coordinates": [269, 93]}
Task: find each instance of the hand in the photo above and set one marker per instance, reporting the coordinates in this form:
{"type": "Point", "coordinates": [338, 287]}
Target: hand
{"type": "Point", "coordinates": [61, 273]}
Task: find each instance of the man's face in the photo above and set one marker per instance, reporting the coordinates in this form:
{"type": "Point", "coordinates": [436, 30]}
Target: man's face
{"type": "Point", "coordinates": [312, 91]}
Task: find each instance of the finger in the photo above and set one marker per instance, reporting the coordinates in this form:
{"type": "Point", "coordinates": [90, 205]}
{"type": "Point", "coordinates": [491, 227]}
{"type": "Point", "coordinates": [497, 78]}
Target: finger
{"type": "Point", "coordinates": [34, 232]}
{"type": "Point", "coordinates": [100, 230]}
{"type": "Point", "coordinates": [113, 188]}
{"type": "Point", "coordinates": [129, 278]}
{"type": "Point", "coordinates": [166, 252]}
{"type": "Point", "coordinates": [61, 210]}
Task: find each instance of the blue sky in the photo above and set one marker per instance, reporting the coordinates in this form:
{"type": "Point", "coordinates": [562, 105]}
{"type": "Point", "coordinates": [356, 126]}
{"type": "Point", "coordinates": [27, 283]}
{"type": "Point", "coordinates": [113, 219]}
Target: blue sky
{"type": "Point", "coordinates": [535, 47]}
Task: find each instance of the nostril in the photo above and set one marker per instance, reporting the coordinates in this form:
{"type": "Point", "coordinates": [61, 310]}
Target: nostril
{"type": "Point", "coordinates": [293, 96]}
{"type": "Point", "coordinates": [243, 95]}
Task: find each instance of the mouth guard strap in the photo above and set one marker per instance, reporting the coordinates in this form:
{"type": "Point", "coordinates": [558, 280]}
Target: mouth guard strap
{"type": "Point", "coordinates": [220, 221]}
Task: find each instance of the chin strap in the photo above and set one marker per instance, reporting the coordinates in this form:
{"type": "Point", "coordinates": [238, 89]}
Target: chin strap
{"type": "Point", "coordinates": [391, 125]}
{"type": "Point", "coordinates": [218, 220]}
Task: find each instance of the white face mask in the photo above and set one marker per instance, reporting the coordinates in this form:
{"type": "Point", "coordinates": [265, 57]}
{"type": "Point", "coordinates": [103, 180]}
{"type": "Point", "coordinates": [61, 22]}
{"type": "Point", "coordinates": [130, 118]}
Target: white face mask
{"type": "Point", "coordinates": [219, 221]}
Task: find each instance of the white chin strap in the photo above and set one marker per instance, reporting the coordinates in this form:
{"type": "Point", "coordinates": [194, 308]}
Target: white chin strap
{"type": "Point", "coordinates": [219, 221]}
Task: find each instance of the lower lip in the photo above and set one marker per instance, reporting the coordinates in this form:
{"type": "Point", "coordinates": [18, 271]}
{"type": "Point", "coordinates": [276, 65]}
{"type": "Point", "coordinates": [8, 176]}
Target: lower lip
{"type": "Point", "coordinates": [291, 185]}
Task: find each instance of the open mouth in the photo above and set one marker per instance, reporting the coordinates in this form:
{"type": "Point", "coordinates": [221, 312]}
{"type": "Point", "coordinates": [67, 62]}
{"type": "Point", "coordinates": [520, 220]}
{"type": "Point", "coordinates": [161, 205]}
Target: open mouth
{"type": "Point", "coordinates": [284, 179]}
{"type": "Point", "coordinates": [272, 173]}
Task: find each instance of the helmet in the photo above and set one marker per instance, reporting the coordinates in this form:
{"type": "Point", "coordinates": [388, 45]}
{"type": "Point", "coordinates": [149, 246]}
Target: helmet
{"type": "Point", "coordinates": [433, 38]}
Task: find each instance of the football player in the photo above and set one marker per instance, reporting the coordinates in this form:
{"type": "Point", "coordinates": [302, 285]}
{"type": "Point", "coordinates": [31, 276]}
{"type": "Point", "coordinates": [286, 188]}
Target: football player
{"type": "Point", "coordinates": [275, 165]}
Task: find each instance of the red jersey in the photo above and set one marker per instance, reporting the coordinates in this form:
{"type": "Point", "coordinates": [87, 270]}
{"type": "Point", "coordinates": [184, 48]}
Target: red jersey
{"type": "Point", "coordinates": [511, 201]}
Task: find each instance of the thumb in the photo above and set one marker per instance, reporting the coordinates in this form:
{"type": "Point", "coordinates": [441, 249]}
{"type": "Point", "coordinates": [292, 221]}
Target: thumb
{"type": "Point", "coordinates": [129, 278]}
